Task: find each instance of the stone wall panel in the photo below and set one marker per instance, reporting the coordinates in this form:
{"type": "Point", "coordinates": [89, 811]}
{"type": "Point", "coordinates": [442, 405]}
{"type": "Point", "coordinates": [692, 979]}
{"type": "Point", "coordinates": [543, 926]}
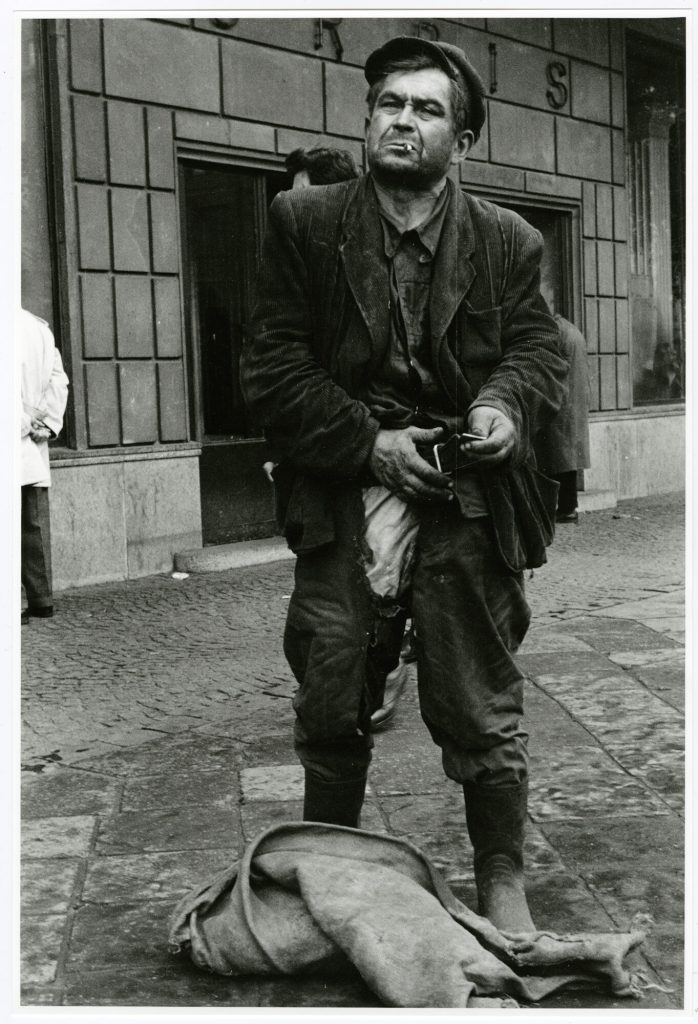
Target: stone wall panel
{"type": "Point", "coordinates": [134, 317]}
{"type": "Point", "coordinates": [126, 143]}
{"type": "Point", "coordinates": [157, 63]}
{"type": "Point", "coordinates": [85, 36]}
{"type": "Point", "coordinates": [292, 86]}
{"type": "Point", "coordinates": [161, 158]}
{"type": "Point", "coordinates": [521, 137]}
{"type": "Point", "coordinates": [168, 318]}
{"type": "Point", "coordinates": [172, 402]}
{"type": "Point", "coordinates": [102, 404]}
{"type": "Point", "coordinates": [93, 227]}
{"type": "Point", "coordinates": [90, 138]}
{"type": "Point", "coordinates": [130, 227]}
{"type": "Point", "coordinates": [97, 306]}
{"type": "Point", "coordinates": [138, 395]}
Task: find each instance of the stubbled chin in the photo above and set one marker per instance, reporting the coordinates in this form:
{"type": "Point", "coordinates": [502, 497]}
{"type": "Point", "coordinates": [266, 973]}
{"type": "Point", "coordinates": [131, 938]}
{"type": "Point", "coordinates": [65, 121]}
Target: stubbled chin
{"type": "Point", "coordinates": [397, 174]}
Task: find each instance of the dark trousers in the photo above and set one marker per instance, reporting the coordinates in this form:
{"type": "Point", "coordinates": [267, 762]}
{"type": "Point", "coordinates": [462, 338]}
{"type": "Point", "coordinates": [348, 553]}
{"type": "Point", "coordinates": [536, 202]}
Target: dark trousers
{"type": "Point", "coordinates": [567, 495]}
{"type": "Point", "coordinates": [36, 547]}
{"type": "Point", "coordinates": [470, 615]}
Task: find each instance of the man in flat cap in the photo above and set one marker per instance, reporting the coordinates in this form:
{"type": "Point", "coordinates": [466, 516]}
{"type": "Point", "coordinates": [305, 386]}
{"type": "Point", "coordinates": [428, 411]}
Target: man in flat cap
{"type": "Point", "coordinates": [395, 313]}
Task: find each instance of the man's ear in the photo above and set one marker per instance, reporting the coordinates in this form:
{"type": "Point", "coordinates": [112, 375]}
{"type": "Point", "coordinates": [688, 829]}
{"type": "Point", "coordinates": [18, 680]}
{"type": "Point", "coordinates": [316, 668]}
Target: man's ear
{"type": "Point", "coordinates": [464, 142]}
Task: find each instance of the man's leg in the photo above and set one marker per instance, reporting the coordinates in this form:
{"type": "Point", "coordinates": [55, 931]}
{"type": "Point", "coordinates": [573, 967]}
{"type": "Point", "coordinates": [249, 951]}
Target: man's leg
{"type": "Point", "coordinates": [36, 550]}
{"type": "Point", "coordinates": [328, 632]}
{"type": "Point", "coordinates": [567, 497]}
{"type": "Point", "coordinates": [471, 615]}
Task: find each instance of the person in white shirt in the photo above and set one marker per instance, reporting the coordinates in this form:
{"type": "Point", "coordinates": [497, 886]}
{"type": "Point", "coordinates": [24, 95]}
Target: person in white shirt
{"type": "Point", "coordinates": [44, 396]}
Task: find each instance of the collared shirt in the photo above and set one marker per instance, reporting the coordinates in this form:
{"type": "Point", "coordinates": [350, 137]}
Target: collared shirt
{"type": "Point", "coordinates": [405, 391]}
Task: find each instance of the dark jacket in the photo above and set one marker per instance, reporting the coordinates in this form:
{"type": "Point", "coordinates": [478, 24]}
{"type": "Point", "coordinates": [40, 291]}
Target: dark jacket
{"type": "Point", "coordinates": [320, 328]}
{"type": "Point", "coordinates": [562, 445]}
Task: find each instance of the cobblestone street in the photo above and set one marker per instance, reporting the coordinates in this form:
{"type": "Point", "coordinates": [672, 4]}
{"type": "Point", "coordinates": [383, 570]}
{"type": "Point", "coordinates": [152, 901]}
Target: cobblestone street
{"type": "Point", "coordinates": [156, 742]}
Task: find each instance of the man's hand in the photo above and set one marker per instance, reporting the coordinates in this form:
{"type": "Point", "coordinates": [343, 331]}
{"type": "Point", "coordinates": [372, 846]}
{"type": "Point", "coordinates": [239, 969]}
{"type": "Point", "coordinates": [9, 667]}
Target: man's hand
{"type": "Point", "coordinates": [38, 430]}
{"type": "Point", "coordinates": [396, 463]}
{"type": "Point", "coordinates": [497, 430]}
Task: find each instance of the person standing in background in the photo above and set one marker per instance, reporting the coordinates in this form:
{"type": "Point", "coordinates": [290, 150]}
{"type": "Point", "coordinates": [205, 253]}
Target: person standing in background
{"type": "Point", "coordinates": [320, 166]}
{"type": "Point", "coordinates": [44, 397]}
{"type": "Point", "coordinates": [562, 446]}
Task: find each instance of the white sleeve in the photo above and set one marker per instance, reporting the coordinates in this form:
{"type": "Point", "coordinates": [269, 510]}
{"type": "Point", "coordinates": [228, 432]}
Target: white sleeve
{"type": "Point", "coordinates": [55, 395]}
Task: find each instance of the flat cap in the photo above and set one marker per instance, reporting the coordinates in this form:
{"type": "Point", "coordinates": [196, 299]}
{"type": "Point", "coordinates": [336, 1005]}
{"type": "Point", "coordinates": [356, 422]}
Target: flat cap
{"type": "Point", "coordinates": [448, 57]}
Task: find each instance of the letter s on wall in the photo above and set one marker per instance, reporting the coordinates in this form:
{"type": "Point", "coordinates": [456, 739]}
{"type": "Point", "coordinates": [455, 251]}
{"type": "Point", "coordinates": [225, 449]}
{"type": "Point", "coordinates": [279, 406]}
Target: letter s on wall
{"type": "Point", "coordinates": [558, 92]}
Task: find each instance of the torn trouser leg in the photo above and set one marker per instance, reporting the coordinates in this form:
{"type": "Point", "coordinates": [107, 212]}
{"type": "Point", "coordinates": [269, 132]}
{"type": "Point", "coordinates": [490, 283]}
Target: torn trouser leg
{"type": "Point", "coordinates": [328, 631]}
{"type": "Point", "coordinates": [391, 528]}
{"type": "Point", "coordinates": [342, 639]}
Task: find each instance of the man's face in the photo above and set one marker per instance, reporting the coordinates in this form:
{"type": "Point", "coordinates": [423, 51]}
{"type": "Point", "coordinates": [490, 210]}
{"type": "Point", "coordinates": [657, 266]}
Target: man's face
{"type": "Point", "coordinates": [410, 136]}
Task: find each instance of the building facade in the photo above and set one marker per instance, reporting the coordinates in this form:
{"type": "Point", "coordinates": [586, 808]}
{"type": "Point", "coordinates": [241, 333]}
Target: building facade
{"type": "Point", "coordinates": [151, 151]}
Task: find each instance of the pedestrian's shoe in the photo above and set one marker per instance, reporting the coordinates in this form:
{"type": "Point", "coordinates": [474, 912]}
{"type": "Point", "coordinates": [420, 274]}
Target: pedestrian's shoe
{"type": "Point", "coordinates": [394, 685]}
{"type": "Point", "coordinates": [496, 817]}
{"type": "Point", "coordinates": [333, 803]}
{"type": "Point", "coordinates": [41, 611]}
{"type": "Point", "coordinates": [567, 517]}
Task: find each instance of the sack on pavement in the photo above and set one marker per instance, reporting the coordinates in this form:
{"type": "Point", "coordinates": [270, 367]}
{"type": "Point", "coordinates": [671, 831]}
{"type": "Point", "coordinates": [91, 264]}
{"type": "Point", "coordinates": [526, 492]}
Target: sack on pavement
{"type": "Point", "coordinates": [306, 896]}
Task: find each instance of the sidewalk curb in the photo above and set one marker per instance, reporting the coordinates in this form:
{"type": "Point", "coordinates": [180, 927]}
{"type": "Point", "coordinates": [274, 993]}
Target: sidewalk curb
{"type": "Point", "coordinates": [596, 501]}
{"type": "Point", "coordinates": [232, 556]}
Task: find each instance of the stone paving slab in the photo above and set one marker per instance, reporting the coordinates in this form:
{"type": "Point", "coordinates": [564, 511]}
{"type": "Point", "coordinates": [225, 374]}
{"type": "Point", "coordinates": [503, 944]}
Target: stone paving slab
{"type": "Point", "coordinates": [549, 640]}
{"type": "Point", "coordinates": [41, 941]}
{"type": "Point", "coordinates": [633, 866]}
{"type": "Point", "coordinates": [183, 753]}
{"type": "Point", "coordinates": [66, 791]}
{"type": "Point", "coordinates": [113, 935]}
{"type": "Point", "coordinates": [606, 634]}
{"type": "Point", "coordinates": [48, 885]}
{"type": "Point", "coordinates": [212, 789]}
{"type": "Point", "coordinates": [57, 837]}
{"type": "Point", "coordinates": [273, 782]}
{"type": "Point", "coordinates": [147, 876]}
{"type": "Point", "coordinates": [171, 828]}
{"type": "Point", "coordinates": [179, 985]}
{"type": "Point", "coordinates": [661, 606]}
{"type": "Point", "coordinates": [671, 628]}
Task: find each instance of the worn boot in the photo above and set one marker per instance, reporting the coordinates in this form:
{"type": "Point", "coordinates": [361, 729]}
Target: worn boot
{"type": "Point", "coordinates": [496, 818]}
{"type": "Point", "coordinates": [333, 803]}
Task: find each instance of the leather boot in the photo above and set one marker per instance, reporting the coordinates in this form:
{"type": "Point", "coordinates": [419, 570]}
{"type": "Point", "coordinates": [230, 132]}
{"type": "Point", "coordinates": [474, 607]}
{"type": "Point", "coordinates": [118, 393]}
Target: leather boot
{"type": "Point", "coordinates": [333, 803]}
{"type": "Point", "coordinates": [496, 817]}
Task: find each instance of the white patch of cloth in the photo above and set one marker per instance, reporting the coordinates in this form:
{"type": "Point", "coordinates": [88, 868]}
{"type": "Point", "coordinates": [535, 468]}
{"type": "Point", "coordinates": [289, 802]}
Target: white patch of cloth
{"type": "Point", "coordinates": [391, 534]}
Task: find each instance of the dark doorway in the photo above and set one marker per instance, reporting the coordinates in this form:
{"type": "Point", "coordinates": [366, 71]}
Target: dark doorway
{"type": "Point", "coordinates": [556, 284]}
{"type": "Point", "coordinates": [225, 212]}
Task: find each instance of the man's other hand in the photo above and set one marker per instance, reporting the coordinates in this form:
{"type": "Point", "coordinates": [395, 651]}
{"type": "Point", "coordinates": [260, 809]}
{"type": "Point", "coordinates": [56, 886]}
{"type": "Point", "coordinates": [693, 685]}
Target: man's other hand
{"type": "Point", "coordinates": [498, 433]}
{"type": "Point", "coordinates": [396, 463]}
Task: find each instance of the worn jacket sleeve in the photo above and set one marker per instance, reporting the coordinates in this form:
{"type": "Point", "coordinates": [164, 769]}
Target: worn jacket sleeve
{"type": "Point", "coordinates": [55, 396]}
{"type": "Point", "coordinates": [528, 383]}
{"type": "Point", "coordinates": [311, 421]}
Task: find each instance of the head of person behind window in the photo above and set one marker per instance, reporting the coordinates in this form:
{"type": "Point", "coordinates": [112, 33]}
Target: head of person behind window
{"type": "Point", "coordinates": [320, 166]}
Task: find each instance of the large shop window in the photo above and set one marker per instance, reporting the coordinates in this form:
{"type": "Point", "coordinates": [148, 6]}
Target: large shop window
{"type": "Point", "coordinates": [657, 196]}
